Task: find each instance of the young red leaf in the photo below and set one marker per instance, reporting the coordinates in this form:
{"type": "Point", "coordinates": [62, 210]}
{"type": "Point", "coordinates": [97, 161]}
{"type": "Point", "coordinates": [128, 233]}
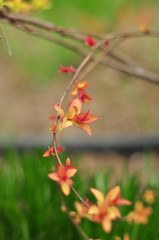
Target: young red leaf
{"type": "Point", "coordinates": [66, 69]}
{"type": "Point", "coordinates": [90, 42]}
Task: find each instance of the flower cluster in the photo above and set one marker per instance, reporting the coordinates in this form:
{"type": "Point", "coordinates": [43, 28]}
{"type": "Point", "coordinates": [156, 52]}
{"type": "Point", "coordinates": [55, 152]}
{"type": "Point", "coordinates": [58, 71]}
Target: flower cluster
{"type": "Point", "coordinates": [74, 116]}
{"type": "Point", "coordinates": [104, 211]}
{"type": "Point", "coordinates": [140, 214]}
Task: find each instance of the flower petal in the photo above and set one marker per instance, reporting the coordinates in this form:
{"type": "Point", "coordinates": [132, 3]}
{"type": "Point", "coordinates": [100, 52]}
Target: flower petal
{"type": "Point", "coordinates": [53, 176]}
{"type": "Point", "coordinates": [59, 110]}
{"type": "Point", "coordinates": [74, 91]}
{"type": "Point", "coordinates": [93, 210]}
{"type": "Point", "coordinates": [98, 195]}
{"type": "Point", "coordinates": [126, 236]}
{"type": "Point", "coordinates": [90, 118]}
{"type": "Point", "coordinates": [76, 103]}
{"type": "Point", "coordinates": [107, 224]}
{"type": "Point", "coordinates": [47, 153]}
{"type": "Point", "coordinates": [71, 172]}
{"type": "Point", "coordinates": [85, 127]}
{"type": "Point", "coordinates": [82, 84]}
{"type": "Point", "coordinates": [61, 171]}
{"type": "Point", "coordinates": [66, 123]}
{"type": "Point", "coordinates": [90, 41]}
{"type": "Point", "coordinates": [79, 207]}
{"type": "Point", "coordinates": [114, 213]}
{"type": "Point", "coordinates": [68, 162]}
{"type": "Point", "coordinates": [122, 201]}
{"type": "Point", "coordinates": [113, 194]}
{"type": "Point", "coordinates": [65, 188]}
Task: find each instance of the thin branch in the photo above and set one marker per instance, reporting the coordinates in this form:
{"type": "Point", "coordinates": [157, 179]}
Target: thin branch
{"type": "Point", "coordinates": [79, 229]}
{"type": "Point", "coordinates": [132, 70]}
{"type": "Point", "coordinates": [79, 69]}
{"type": "Point", "coordinates": [6, 40]}
{"type": "Point", "coordinates": [120, 57]}
{"type": "Point", "coordinates": [98, 59]}
{"type": "Point", "coordinates": [51, 38]}
{"type": "Point", "coordinates": [13, 19]}
{"type": "Point", "coordinates": [79, 197]}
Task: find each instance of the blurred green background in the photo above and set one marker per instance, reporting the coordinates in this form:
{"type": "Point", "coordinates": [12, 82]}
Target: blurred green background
{"type": "Point", "coordinates": [30, 203]}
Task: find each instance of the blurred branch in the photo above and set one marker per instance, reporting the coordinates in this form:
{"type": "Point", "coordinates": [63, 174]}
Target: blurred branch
{"type": "Point", "coordinates": [118, 60]}
{"type": "Point", "coordinates": [64, 207]}
{"type": "Point", "coordinates": [6, 40]}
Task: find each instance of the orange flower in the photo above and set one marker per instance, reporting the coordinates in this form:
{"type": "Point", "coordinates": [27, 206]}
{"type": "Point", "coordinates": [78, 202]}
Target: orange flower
{"type": "Point", "coordinates": [90, 42]}
{"type": "Point", "coordinates": [126, 237]}
{"type": "Point", "coordinates": [63, 176]}
{"type": "Point", "coordinates": [104, 215]}
{"type": "Point", "coordinates": [66, 69]}
{"type": "Point", "coordinates": [105, 211]}
{"type": "Point", "coordinates": [50, 152]}
{"type": "Point", "coordinates": [149, 196]}
{"type": "Point", "coordinates": [140, 214]}
{"type": "Point", "coordinates": [74, 116]}
{"type": "Point", "coordinates": [81, 211]}
{"type": "Point", "coordinates": [112, 197]}
{"type": "Point", "coordinates": [82, 94]}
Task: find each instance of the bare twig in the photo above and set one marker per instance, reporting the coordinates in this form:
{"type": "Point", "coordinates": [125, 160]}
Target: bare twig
{"type": "Point", "coordinates": [118, 64]}
{"type": "Point", "coordinates": [6, 40]}
{"type": "Point", "coordinates": [120, 57]}
{"type": "Point", "coordinates": [79, 69]}
{"type": "Point", "coordinates": [79, 229]}
{"type": "Point", "coordinates": [121, 63]}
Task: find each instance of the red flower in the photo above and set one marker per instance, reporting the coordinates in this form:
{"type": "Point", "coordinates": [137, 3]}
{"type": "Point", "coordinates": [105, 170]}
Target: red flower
{"type": "Point", "coordinates": [90, 41]}
{"type": "Point", "coordinates": [66, 69]}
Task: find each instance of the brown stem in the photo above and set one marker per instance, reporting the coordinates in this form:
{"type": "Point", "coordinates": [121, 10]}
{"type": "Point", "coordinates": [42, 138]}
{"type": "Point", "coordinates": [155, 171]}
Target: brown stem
{"type": "Point", "coordinates": [79, 69]}
{"type": "Point", "coordinates": [79, 229]}
{"type": "Point", "coordinates": [117, 65]}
